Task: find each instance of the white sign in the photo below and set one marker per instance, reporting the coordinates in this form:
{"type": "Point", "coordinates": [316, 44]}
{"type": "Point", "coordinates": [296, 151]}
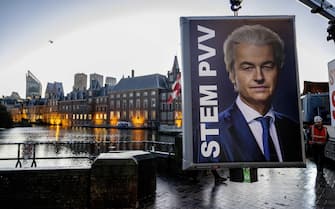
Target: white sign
{"type": "Point", "coordinates": [331, 72]}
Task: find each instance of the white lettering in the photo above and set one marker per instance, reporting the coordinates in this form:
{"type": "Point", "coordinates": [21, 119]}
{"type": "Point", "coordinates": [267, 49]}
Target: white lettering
{"type": "Point", "coordinates": [210, 52]}
{"type": "Point", "coordinates": [213, 148]}
{"type": "Point", "coordinates": [211, 95]}
{"type": "Point", "coordinates": [204, 67]}
{"type": "Point", "coordinates": [205, 70]}
{"type": "Point", "coordinates": [208, 114]}
{"type": "Point", "coordinates": [209, 33]}
{"type": "Point", "coordinates": [208, 96]}
{"type": "Point", "coordinates": [205, 132]}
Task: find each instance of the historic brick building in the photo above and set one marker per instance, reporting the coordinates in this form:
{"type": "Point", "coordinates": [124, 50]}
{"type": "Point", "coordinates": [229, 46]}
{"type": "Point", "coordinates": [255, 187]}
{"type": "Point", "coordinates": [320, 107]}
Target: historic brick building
{"type": "Point", "coordinates": [141, 101]}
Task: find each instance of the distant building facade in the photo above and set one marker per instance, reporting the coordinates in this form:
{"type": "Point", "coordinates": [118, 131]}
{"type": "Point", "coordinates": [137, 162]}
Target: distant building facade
{"type": "Point", "coordinates": [15, 95]}
{"type": "Point", "coordinates": [137, 100]}
{"type": "Point", "coordinates": [76, 112]}
{"type": "Point", "coordinates": [33, 86]}
{"type": "Point", "coordinates": [80, 82]}
{"type": "Point", "coordinates": [141, 100]}
{"type": "Point", "coordinates": [110, 81]}
{"type": "Point", "coordinates": [53, 94]}
{"type": "Point", "coordinates": [54, 91]}
{"type": "Point", "coordinates": [96, 81]}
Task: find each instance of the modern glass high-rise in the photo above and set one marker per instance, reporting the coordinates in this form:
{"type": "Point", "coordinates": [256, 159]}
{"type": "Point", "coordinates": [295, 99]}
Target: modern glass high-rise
{"type": "Point", "coordinates": [33, 86]}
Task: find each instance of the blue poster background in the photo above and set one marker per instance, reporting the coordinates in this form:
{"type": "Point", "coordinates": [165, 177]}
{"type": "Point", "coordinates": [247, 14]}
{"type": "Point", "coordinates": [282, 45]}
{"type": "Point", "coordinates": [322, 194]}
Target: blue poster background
{"type": "Point", "coordinates": [286, 97]}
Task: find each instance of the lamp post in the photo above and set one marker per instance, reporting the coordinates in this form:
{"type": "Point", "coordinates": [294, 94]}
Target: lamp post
{"type": "Point", "coordinates": [325, 9]}
{"type": "Point", "coordinates": [235, 6]}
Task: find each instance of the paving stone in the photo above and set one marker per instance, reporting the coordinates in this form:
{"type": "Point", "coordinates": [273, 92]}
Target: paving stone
{"type": "Point", "coordinates": [278, 188]}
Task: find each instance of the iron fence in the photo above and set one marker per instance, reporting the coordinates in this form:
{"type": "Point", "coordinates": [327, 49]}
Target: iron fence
{"type": "Point", "coordinates": [90, 149]}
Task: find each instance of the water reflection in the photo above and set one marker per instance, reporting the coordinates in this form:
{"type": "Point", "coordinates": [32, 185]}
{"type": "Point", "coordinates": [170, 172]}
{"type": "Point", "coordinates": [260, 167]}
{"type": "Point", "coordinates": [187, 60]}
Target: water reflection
{"type": "Point", "coordinates": [100, 134]}
{"type": "Point", "coordinates": [57, 133]}
{"type": "Point", "coordinates": [68, 142]}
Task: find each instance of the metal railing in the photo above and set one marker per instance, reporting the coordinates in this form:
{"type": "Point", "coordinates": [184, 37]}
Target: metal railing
{"type": "Point", "coordinates": [91, 148]}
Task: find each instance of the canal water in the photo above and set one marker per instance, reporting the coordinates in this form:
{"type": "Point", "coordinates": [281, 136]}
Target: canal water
{"type": "Point", "coordinates": [74, 144]}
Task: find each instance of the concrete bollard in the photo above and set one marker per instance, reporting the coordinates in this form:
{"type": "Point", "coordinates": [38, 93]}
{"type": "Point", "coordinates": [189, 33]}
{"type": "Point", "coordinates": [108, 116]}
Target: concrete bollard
{"type": "Point", "coordinates": [121, 179]}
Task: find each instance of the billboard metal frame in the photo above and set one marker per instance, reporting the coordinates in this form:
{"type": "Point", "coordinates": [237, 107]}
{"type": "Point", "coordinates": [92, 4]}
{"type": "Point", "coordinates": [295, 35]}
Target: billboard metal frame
{"type": "Point", "coordinates": [190, 110]}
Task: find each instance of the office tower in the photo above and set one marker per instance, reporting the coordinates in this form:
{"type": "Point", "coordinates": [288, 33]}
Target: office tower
{"type": "Point", "coordinates": [80, 82]}
{"type": "Point", "coordinates": [110, 81]}
{"type": "Point", "coordinates": [96, 81]}
{"type": "Point", "coordinates": [33, 86]}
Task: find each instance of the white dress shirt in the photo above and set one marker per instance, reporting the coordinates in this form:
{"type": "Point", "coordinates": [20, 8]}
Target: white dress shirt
{"type": "Point", "coordinates": [255, 126]}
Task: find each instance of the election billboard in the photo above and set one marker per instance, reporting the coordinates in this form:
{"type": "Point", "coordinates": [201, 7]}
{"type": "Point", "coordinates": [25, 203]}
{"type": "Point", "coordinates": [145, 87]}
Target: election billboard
{"type": "Point", "coordinates": [240, 92]}
{"type": "Point", "coordinates": [331, 73]}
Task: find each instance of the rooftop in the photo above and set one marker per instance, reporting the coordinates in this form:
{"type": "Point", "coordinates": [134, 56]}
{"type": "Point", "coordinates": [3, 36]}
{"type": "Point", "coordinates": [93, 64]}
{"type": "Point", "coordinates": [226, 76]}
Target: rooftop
{"type": "Point", "coordinates": [154, 81]}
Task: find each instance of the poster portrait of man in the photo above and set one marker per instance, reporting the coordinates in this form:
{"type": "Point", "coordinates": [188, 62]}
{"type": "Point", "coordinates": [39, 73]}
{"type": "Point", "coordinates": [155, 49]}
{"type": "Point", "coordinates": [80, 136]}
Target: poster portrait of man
{"type": "Point", "coordinates": [242, 77]}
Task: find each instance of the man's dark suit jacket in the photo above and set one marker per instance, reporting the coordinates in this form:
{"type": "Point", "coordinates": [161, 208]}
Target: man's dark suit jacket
{"type": "Point", "coordinates": [239, 145]}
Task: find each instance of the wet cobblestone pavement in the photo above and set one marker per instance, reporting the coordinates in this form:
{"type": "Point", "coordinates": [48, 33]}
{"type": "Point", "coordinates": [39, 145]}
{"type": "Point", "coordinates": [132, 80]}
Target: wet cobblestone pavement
{"type": "Point", "coordinates": [276, 188]}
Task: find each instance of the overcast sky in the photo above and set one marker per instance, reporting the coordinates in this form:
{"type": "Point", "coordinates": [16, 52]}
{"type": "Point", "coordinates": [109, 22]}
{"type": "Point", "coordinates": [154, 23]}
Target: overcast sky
{"type": "Point", "coordinates": [112, 37]}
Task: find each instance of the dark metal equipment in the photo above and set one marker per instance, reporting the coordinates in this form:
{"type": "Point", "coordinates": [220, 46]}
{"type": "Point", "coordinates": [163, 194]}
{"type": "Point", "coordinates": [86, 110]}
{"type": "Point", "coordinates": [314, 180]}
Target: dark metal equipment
{"type": "Point", "coordinates": [235, 6]}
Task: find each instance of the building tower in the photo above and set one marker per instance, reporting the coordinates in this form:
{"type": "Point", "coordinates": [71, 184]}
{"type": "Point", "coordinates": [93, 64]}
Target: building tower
{"type": "Point", "coordinates": [80, 82]}
{"type": "Point", "coordinates": [54, 91]}
{"type": "Point", "coordinates": [96, 81]}
{"type": "Point", "coordinates": [33, 86]}
{"type": "Point", "coordinates": [172, 75]}
{"type": "Point", "coordinates": [110, 81]}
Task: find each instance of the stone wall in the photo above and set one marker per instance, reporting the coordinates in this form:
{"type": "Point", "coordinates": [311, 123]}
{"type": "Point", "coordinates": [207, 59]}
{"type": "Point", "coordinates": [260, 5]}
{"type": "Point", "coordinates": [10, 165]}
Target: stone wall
{"type": "Point", "coordinates": [115, 180]}
{"type": "Point", "coordinates": [44, 188]}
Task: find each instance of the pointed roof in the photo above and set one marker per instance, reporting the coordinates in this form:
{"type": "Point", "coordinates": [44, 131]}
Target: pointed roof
{"type": "Point", "coordinates": [175, 70]}
{"type": "Point", "coordinates": [175, 66]}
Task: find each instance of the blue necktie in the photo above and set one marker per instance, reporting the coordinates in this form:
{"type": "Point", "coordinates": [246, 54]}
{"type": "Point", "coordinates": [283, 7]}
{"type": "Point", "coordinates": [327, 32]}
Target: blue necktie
{"type": "Point", "coordinates": [268, 147]}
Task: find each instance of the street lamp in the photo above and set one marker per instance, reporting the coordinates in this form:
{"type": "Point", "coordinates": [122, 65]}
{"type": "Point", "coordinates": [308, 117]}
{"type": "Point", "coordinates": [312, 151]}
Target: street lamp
{"type": "Point", "coordinates": [325, 9]}
{"type": "Point", "coordinates": [235, 6]}
{"type": "Point", "coordinates": [331, 30]}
